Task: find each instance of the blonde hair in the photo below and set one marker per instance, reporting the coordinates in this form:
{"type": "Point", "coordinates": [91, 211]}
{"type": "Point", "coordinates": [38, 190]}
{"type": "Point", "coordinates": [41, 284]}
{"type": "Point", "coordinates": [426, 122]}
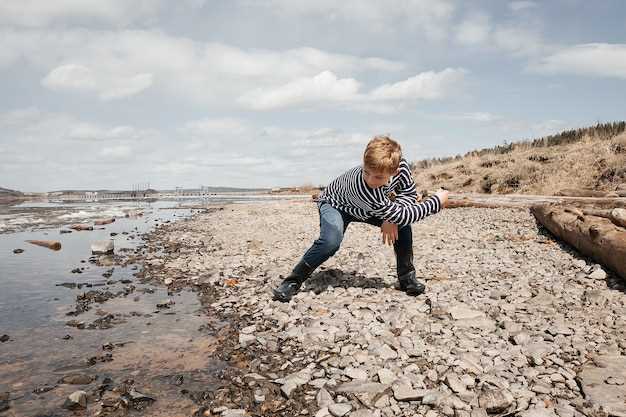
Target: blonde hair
{"type": "Point", "coordinates": [382, 154]}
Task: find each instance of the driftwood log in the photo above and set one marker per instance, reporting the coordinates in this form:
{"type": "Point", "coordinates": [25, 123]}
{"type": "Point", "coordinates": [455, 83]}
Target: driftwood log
{"type": "Point", "coordinates": [102, 222]}
{"type": "Point", "coordinates": [50, 244]}
{"type": "Point", "coordinates": [81, 226]}
{"type": "Point", "coordinates": [582, 192]}
{"type": "Point", "coordinates": [593, 236]}
{"type": "Point", "coordinates": [617, 216]}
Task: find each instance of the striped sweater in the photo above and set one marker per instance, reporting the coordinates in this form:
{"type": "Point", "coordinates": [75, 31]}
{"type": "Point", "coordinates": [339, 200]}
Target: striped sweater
{"type": "Point", "coordinates": [349, 193]}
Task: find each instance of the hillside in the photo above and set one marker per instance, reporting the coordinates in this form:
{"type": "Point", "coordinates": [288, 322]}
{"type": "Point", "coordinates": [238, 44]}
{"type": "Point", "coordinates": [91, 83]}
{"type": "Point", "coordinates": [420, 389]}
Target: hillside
{"type": "Point", "coordinates": [5, 192]}
{"type": "Point", "coordinates": [590, 158]}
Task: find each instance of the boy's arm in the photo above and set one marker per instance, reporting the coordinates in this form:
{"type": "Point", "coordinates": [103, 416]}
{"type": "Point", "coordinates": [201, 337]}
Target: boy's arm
{"type": "Point", "coordinates": [406, 213]}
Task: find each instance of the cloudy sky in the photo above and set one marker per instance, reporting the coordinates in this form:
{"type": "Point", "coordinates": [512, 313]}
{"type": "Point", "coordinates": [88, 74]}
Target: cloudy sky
{"type": "Point", "coordinates": [108, 93]}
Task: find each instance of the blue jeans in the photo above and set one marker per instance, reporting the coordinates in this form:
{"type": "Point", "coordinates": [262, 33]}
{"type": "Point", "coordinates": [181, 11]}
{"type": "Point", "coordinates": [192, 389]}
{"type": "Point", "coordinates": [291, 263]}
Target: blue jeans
{"type": "Point", "coordinates": [333, 225]}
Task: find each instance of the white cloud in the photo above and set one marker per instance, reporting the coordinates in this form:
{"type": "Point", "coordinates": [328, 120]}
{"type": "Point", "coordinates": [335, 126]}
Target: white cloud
{"type": "Point", "coordinates": [117, 152]}
{"type": "Point", "coordinates": [517, 6]}
{"type": "Point", "coordinates": [119, 64]}
{"type": "Point", "coordinates": [593, 59]}
{"type": "Point", "coordinates": [426, 86]}
{"type": "Point", "coordinates": [79, 78]}
{"type": "Point", "coordinates": [324, 87]}
{"type": "Point", "coordinates": [474, 117]}
{"type": "Point", "coordinates": [518, 40]}
{"type": "Point", "coordinates": [474, 30]}
{"type": "Point", "coordinates": [36, 13]}
{"type": "Point", "coordinates": [209, 127]}
{"type": "Point", "coordinates": [431, 17]}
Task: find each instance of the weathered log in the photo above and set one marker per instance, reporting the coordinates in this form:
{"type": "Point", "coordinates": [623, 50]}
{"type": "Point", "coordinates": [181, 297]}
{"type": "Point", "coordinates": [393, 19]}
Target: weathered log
{"type": "Point", "coordinates": [50, 244]}
{"type": "Point", "coordinates": [81, 226]}
{"type": "Point", "coordinates": [592, 236]}
{"type": "Point", "coordinates": [617, 216]}
{"type": "Point", "coordinates": [581, 192]}
{"type": "Point", "coordinates": [102, 222]}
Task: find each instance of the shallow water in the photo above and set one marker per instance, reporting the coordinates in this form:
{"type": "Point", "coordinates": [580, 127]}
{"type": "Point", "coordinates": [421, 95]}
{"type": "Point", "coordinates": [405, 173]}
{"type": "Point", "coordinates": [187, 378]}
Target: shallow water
{"type": "Point", "coordinates": [149, 344]}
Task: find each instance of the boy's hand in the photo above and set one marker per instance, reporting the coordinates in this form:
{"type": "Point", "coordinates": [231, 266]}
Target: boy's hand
{"type": "Point", "coordinates": [390, 232]}
{"type": "Point", "coordinates": [443, 197]}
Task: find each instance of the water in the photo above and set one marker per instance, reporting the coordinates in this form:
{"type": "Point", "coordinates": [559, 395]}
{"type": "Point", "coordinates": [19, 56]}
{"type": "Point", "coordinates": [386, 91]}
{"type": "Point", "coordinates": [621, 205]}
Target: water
{"type": "Point", "coordinates": [150, 345]}
{"type": "Point", "coordinates": [29, 297]}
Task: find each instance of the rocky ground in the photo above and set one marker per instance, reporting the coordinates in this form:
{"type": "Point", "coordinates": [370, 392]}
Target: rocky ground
{"type": "Point", "coordinates": [512, 322]}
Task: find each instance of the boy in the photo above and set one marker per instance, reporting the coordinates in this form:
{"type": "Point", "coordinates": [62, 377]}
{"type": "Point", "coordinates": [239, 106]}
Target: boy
{"type": "Point", "coordinates": [381, 193]}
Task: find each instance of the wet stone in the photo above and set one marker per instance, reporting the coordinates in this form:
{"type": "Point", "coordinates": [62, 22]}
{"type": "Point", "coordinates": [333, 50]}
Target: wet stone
{"type": "Point", "coordinates": [76, 379]}
{"type": "Point", "coordinates": [76, 400]}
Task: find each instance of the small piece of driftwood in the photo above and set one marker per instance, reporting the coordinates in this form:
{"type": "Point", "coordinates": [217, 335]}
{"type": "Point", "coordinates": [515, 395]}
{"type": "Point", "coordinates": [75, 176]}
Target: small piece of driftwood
{"type": "Point", "coordinates": [50, 244]}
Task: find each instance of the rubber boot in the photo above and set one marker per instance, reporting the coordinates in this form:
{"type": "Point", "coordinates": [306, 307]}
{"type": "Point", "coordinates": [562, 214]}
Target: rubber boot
{"type": "Point", "coordinates": [410, 285]}
{"type": "Point", "coordinates": [406, 271]}
{"type": "Point", "coordinates": [291, 285]}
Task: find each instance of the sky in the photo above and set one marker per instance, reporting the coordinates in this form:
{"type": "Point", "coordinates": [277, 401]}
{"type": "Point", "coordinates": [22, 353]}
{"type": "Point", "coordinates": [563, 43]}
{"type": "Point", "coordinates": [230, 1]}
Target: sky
{"type": "Point", "coordinates": [249, 93]}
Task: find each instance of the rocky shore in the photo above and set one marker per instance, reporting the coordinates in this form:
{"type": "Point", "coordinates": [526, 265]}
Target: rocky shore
{"type": "Point", "coordinates": [512, 322]}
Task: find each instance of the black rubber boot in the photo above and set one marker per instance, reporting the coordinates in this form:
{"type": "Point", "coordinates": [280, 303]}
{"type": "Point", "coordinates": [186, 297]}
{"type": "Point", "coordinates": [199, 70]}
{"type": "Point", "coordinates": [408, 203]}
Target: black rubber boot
{"type": "Point", "coordinates": [404, 261]}
{"type": "Point", "coordinates": [410, 285]}
{"type": "Point", "coordinates": [291, 285]}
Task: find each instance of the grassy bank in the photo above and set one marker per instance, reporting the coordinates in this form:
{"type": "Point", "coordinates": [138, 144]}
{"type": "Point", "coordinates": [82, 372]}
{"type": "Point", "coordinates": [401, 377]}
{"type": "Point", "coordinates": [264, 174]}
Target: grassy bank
{"type": "Point", "coordinates": [593, 158]}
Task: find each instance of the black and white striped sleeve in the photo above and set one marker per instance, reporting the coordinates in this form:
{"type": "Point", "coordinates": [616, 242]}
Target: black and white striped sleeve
{"type": "Point", "coordinates": [405, 214]}
{"type": "Point", "coordinates": [406, 193]}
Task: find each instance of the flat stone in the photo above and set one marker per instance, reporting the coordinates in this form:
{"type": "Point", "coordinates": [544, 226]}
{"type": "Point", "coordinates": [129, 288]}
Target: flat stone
{"type": "Point", "coordinates": [538, 411]}
{"type": "Point", "coordinates": [455, 384]}
{"type": "Point", "coordinates": [385, 352]}
{"type": "Point", "coordinates": [76, 379]}
{"type": "Point", "coordinates": [358, 386]}
{"type": "Point", "coordinates": [385, 376]}
{"type": "Point", "coordinates": [598, 274]}
{"type": "Point", "coordinates": [495, 400]}
{"type": "Point", "coordinates": [246, 339]}
{"type": "Point", "coordinates": [541, 388]}
{"type": "Point", "coordinates": [293, 381]}
{"type": "Point", "coordinates": [323, 398]}
{"type": "Point", "coordinates": [339, 409]}
{"type": "Point", "coordinates": [593, 379]}
{"type": "Point", "coordinates": [463, 312]}
{"type": "Point", "coordinates": [356, 373]}
{"type": "Point", "coordinates": [234, 412]}
{"type": "Point", "coordinates": [404, 392]}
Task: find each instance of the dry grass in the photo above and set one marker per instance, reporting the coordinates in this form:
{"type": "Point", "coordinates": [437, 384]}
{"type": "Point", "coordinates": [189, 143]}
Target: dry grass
{"type": "Point", "coordinates": [591, 162]}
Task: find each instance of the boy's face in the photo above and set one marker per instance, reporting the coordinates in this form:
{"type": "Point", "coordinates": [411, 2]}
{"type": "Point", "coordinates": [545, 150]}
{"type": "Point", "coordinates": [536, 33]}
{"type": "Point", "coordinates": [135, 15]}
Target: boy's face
{"type": "Point", "coordinates": [375, 179]}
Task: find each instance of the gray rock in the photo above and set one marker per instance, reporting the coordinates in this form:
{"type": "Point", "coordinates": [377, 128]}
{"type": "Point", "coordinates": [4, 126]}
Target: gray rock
{"type": "Point", "coordinates": [538, 411]}
{"type": "Point", "coordinates": [385, 376]}
{"type": "Point", "coordinates": [404, 392]}
{"type": "Point", "coordinates": [76, 400]}
{"type": "Point", "coordinates": [455, 384]}
{"type": "Point", "coordinates": [323, 398]}
{"type": "Point", "coordinates": [76, 379]}
{"type": "Point", "coordinates": [339, 409]}
{"type": "Point", "coordinates": [464, 312]}
{"type": "Point", "coordinates": [598, 273]}
{"type": "Point", "coordinates": [100, 247]}
{"type": "Point", "coordinates": [234, 412]}
{"type": "Point", "coordinates": [361, 387]}
{"type": "Point", "coordinates": [593, 379]}
{"type": "Point", "coordinates": [495, 400]}
{"type": "Point", "coordinates": [356, 373]}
